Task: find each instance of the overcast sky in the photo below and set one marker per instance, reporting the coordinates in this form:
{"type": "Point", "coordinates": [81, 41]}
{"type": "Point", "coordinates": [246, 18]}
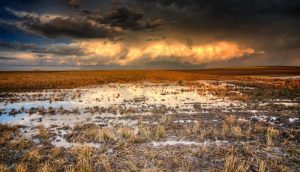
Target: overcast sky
{"type": "Point", "coordinates": [148, 34]}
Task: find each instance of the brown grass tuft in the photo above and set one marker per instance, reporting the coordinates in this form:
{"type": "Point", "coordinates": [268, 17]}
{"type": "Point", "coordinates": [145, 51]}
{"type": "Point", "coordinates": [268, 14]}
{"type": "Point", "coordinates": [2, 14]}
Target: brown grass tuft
{"type": "Point", "coordinates": [126, 132]}
{"type": "Point", "coordinates": [271, 133]}
{"type": "Point", "coordinates": [43, 133]}
{"type": "Point", "coordinates": [232, 164]}
{"type": "Point", "coordinates": [160, 132]}
{"type": "Point", "coordinates": [22, 167]}
{"type": "Point", "coordinates": [3, 168]}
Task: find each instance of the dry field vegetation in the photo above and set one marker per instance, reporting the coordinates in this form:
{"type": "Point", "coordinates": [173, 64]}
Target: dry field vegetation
{"type": "Point", "coordinates": [231, 120]}
{"type": "Point", "coordinates": [36, 80]}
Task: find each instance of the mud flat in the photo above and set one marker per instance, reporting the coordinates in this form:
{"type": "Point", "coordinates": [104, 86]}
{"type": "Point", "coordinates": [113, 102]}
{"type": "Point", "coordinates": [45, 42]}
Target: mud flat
{"type": "Point", "coordinates": [202, 125]}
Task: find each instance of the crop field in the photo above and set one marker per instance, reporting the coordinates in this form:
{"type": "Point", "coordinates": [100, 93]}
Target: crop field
{"type": "Point", "coordinates": [235, 119]}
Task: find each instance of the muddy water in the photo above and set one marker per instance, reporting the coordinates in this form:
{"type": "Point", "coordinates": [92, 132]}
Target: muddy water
{"type": "Point", "coordinates": [142, 97]}
{"type": "Point", "coordinates": [108, 105]}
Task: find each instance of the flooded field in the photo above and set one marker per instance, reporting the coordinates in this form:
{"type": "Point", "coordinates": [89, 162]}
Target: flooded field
{"type": "Point", "coordinates": [201, 125]}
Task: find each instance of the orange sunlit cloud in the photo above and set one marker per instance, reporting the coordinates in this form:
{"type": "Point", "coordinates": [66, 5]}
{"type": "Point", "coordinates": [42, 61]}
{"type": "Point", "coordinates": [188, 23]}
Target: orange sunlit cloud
{"type": "Point", "coordinates": [119, 53]}
{"type": "Point", "coordinates": [25, 56]}
{"type": "Point", "coordinates": [19, 55]}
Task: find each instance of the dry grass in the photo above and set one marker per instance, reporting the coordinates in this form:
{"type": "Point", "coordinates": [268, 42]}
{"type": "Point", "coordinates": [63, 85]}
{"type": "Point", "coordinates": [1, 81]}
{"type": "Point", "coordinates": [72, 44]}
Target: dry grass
{"type": "Point", "coordinates": [231, 119]}
{"type": "Point", "coordinates": [154, 169]}
{"type": "Point", "coordinates": [237, 131]}
{"type": "Point", "coordinates": [196, 127]}
{"type": "Point", "coordinates": [230, 127]}
{"type": "Point", "coordinates": [271, 133]}
{"type": "Point", "coordinates": [144, 132]}
{"type": "Point", "coordinates": [106, 134]}
{"type": "Point", "coordinates": [225, 130]}
{"type": "Point", "coordinates": [262, 166]}
{"type": "Point", "coordinates": [43, 133]}
{"type": "Point", "coordinates": [84, 159]}
{"type": "Point", "coordinates": [22, 167]}
{"type": "Point", "coordinates": [232, 164]}
{"type": "Point", "coordinates": [106, 164]}
{"type": "Point", "coordinates": [160, 132]}
{"type": "Point", "coordinates": [70, 168]}
{"type": "Point", "coordinates": [7, 132]}
{"type": "Point", "coordinates": [126, 132]}
{"type": "Point", "coordinates": [20, 81]}
{"type": "Point", "coordinates": [56, 152]}
{"type": "Point", "coordinates": [21, 143]}
{"type": "Point", "coordinates": [33, 155]}
{"type": "Point", "coordinates": [203, 134]}
{"type": "Point", "coordinates": [91, 132]}
{"type": "Point", "coordinates": [183, 164]}
{"type": "Point", "coordinates": [3, 168]}
{"type": "Point", "coordinates": [46, 167]}
{"type": "Point", "coordinates": [164, 119]}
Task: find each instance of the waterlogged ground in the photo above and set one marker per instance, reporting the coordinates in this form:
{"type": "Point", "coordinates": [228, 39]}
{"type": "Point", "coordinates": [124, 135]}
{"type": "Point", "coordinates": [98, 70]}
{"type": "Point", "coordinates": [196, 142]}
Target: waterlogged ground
{"type": "Point", "coordinates": [167, 126]}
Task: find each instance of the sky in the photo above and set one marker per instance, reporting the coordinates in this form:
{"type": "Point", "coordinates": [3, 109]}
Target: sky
{"type": "Point", "coordinates": [148, 34]}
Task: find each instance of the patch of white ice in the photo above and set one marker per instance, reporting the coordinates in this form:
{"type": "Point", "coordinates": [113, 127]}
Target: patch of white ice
{"type": "Point", "coordinates": [173, 142]}
{"type": "Point", "coordinates": [292, 120]}
{"type": "Point", "coordinates": [188, 143]}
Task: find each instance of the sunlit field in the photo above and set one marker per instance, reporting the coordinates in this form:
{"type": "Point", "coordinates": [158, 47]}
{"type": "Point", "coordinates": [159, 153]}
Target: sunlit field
{"type": "Point", "coordinates": [238, 119]}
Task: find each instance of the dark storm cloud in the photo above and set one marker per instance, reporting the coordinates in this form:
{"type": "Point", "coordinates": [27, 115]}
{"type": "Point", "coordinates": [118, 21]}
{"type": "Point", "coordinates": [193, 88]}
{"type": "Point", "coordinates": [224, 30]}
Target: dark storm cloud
{"type": "Point", "coordinates": [75, 27]}
{"type": "Point", "coordinates": [54, 26]}
{"type": "Point", "coordinates": [75, 3]}
{"type": "Point", "coordinates": [16, 46]}
{"type": "Point", "coordinates": [130, 19]}
{"type": "Point", "coordinates": [289, 40]}
{"type": "Point", "coordinates": [62, 50]}
{"type": "Point", "coordinates": [232, 13]}
{"type": "Point", "coordinates": [84, 25]}
{"type": "Point", "coordinates": [229, 8]}
{"type": "Point", "coordinates": [7, 58]}
{"type": "Point", "coordinates": [230, 16]}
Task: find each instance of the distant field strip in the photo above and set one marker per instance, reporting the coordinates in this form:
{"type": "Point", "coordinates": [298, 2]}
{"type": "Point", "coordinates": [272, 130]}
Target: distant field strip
{"type": "Point", "coordinates": [36, 80]}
